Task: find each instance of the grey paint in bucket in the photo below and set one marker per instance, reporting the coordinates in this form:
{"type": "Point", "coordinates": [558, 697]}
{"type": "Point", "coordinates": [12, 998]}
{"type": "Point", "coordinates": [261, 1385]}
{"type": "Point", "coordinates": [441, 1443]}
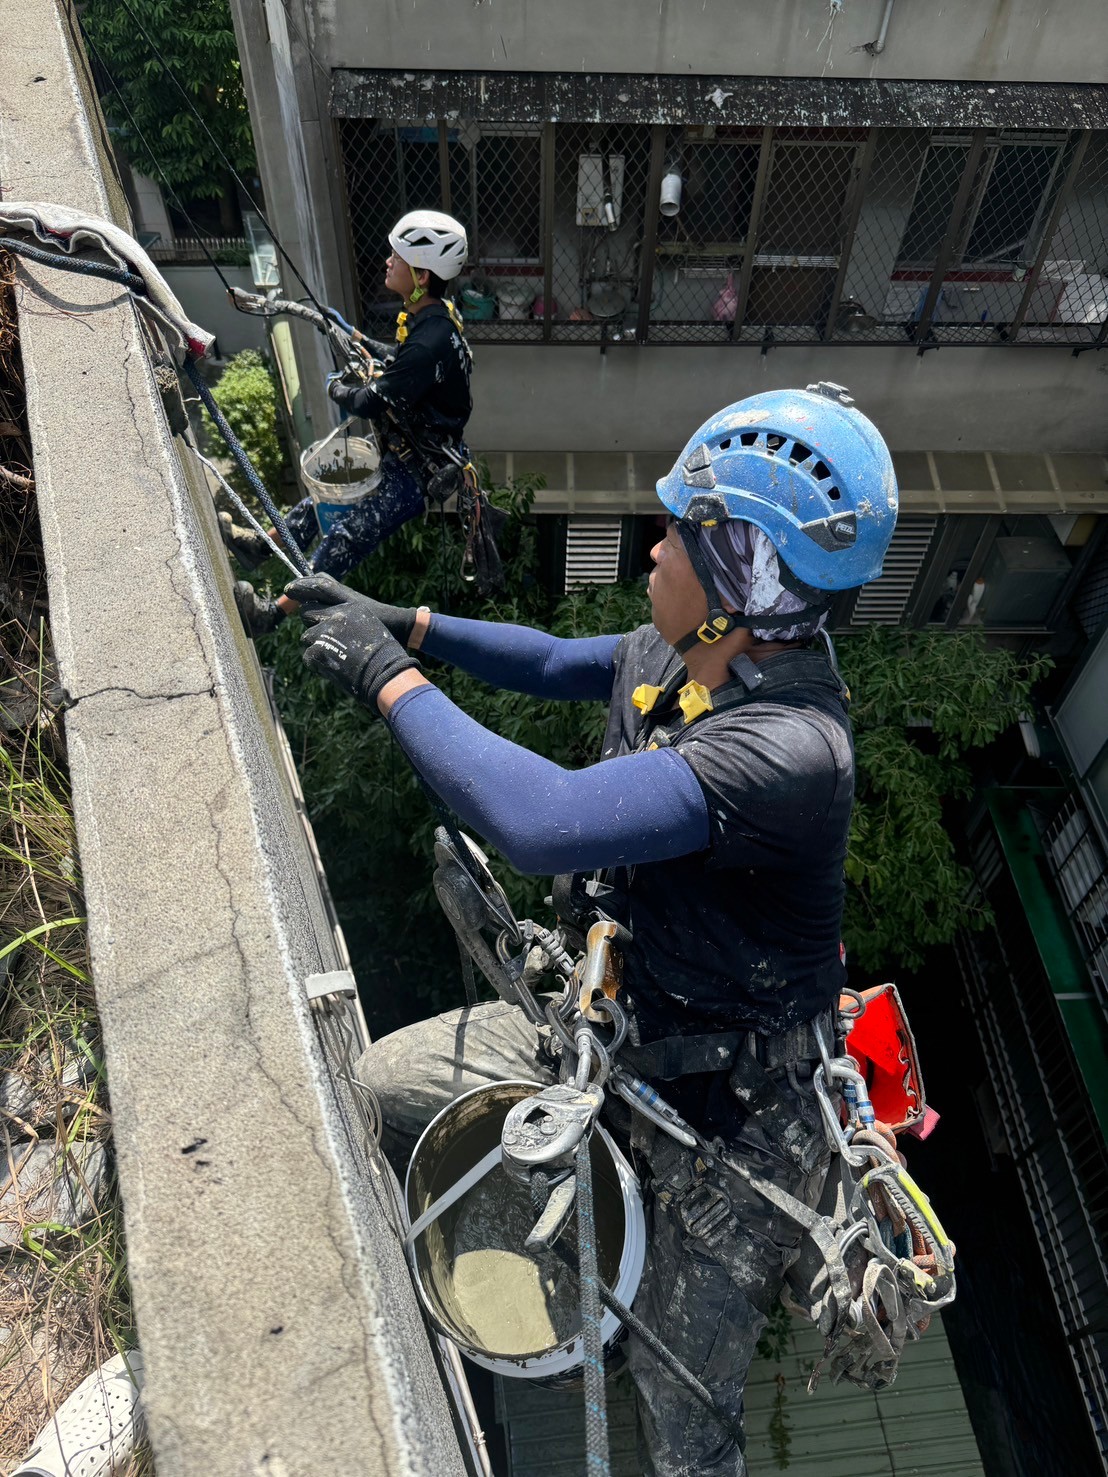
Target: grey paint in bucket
{"type": "Point", "coordinates": [516, 1314]}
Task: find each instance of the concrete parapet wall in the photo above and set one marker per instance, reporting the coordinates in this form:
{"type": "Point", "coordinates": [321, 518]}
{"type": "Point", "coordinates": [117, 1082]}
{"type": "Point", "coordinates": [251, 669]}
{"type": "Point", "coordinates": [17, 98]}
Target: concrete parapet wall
{"type": "Point", "coordinates": [278, 1325]}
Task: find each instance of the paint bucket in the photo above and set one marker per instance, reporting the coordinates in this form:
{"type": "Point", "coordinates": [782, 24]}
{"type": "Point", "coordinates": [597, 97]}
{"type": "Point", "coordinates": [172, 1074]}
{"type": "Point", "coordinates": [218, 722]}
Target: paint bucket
{"type": "Point", "coordinates": [338, 473]}
{"type": "Point", "coordinates": [670, 200]}
{"type": "Point", "coordinates": [475, 1281]}
{"type": "Point", "coordinates": [515, 300]}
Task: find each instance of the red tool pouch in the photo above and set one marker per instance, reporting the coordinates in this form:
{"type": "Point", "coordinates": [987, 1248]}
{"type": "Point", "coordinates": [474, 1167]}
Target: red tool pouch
{"type": "Point", "coordinates": [882, 1044]}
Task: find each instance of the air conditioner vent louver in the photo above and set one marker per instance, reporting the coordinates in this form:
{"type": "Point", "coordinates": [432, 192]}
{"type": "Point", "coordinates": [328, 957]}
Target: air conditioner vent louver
{"type": "Point", "coordinates": [592, 552]}
{"type": "Point", "coordinates": [883, 602]}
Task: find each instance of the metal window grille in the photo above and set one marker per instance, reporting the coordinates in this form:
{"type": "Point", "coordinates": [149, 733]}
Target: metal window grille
{"type": "Point", "coordinates": [1077, 860]}
{"type": "Point", "coordinates": [768, 235]}
{"type": "Point", "coordinates": [1091, 605]}
{"type": "Point", "coordinates": [1058, 1148]}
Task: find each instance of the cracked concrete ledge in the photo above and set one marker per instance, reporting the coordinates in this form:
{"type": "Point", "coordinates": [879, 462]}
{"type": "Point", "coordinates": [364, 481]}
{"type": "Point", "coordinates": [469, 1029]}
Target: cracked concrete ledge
{"type": "Point", "coordinates": [278, 1325]}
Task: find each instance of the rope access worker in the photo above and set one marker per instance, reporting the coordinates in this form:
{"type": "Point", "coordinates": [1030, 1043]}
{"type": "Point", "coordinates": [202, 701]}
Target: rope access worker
{"type": "Point", "coordinates": [418, 404]}
{"type": "Point", "coordinates": [719, 810]}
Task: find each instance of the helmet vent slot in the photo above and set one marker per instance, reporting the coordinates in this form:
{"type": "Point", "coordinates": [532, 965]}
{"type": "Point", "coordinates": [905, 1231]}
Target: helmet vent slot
{"type": "Point", "coordinates": [774, 443]}
{"type": "Point", "coordinates": [834, 493]}
{"type": "Point", "coordinates": [749, 438]}
{"type": "Point", "coordinates": [725, 444]}
{"type": "Point", "coordinates": [799, 453]}
{"type": "Point", "coordinates": [820, 471]}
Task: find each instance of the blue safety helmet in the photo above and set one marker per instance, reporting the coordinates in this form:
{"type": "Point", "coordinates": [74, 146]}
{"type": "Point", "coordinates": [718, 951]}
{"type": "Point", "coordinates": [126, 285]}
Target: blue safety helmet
{"type": "Point", "coordinates": [805, 467]}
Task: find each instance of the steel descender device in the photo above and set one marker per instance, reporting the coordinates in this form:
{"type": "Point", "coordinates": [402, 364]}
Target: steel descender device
{"type": "Point", "coordinates": [539, 1144]}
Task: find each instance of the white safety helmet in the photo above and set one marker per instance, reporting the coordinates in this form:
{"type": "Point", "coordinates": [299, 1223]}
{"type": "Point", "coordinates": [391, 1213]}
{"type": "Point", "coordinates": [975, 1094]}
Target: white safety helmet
{"type": "Point", "coordinates": [430, 241]}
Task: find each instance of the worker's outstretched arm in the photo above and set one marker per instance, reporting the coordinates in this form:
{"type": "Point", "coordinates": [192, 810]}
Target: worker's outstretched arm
{"type": "Point", "coordinates": [545, 819]}
{"type": "Point", "coordinates": [522, 659]}
{"type": "Point", "coordinates": [514, 657]}
{"type": "Point", "coordinates": [639, 808]}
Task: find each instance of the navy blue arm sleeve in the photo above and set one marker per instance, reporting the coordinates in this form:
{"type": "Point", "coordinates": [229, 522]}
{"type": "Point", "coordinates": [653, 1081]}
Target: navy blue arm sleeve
{"type": "Point", "coordinates": [524, 660]}
{"type": "Point", "coordinates": [639, 808]}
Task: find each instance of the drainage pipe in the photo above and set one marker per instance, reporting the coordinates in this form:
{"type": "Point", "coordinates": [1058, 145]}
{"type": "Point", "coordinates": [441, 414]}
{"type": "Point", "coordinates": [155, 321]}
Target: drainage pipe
{"type": "Point", "coordinates": [875, 48]}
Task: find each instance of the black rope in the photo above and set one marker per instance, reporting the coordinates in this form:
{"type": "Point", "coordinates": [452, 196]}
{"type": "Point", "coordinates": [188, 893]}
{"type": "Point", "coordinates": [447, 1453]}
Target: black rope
{"type": "Point", "coordinates": [81, 265]}
{"type": "Point", "coordinates": [275, 515]}
{"type": "Point", "coordinates": [169, 72]}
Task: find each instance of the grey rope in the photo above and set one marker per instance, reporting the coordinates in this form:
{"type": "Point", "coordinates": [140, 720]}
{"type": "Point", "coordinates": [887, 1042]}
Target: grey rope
{"type": "Point", "coordinates": [243, 509]}
{"type": "Point", "coordinates": [597, 1461]}
{"type": "Point", "coordinates": [634, 1324]}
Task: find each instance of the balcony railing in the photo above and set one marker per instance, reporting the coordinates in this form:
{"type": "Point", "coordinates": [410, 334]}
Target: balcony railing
{"type": "Point", "coordinates": [637, 233]}
{"type": "Point", "coordinates": [1077, 861]}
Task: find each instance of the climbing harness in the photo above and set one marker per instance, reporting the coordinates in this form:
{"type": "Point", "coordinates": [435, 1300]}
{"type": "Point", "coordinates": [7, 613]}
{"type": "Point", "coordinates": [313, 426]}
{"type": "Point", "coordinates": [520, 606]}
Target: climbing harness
{"type": "Point", "coordinates": [875, 1262]}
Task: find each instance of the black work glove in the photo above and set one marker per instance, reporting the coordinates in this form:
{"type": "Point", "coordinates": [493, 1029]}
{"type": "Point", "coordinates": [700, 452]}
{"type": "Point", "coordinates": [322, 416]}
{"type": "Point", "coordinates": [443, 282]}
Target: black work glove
{"type": "Point", "coordinates": [348, 391]}
{"type": "Point", "coordinates": [398, 620]}
{"type": "Point", "coordinates": [346, 641]}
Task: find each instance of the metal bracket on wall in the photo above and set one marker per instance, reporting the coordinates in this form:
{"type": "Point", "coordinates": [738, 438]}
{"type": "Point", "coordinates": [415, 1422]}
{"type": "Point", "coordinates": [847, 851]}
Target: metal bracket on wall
{"type": "Point", "coordinates": [333, 982]}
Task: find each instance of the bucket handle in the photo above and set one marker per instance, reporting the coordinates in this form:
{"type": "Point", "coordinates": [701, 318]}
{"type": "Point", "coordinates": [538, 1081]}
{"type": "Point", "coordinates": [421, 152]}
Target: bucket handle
{"type": "Point", "coordinates": [456, 1191]}
{"type": "Point", "coordinates": [343, 425]}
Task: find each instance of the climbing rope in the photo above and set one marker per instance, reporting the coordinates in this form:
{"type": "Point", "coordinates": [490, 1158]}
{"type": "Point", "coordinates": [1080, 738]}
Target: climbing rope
{"type": "Point", "coordinates": [242, 509]}
{"type": "Point", "coordinates": [84, 268]}
{"type": "Point", "coordinates": [272, 511]}
{"type": "Point", "coordinates": [596, 1410]}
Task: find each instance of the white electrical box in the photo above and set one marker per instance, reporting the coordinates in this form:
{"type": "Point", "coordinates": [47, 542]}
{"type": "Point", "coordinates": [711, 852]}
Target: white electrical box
{"type": "Point", "coordinates": [590, 189]}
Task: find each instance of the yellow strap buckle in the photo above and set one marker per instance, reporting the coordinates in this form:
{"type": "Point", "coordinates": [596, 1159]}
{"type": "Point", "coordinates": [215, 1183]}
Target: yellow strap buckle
{"type": "Point", "coordinates": [713, 630]}
{"type": "Point", "coordinates": [694, 699]}
{"type": "Point", "coordinates": [645, 696]}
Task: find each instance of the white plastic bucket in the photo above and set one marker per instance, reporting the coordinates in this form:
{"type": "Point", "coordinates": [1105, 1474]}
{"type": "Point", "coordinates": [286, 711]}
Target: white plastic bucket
{"type": "Point", "coordinates": [515, 300]}
{"type": "Point", "coordinates": [464, 1138]}
{"type": "Point", "coordinates": [338, 471]}
{"type": "Point", "coordinates": [670, 201]}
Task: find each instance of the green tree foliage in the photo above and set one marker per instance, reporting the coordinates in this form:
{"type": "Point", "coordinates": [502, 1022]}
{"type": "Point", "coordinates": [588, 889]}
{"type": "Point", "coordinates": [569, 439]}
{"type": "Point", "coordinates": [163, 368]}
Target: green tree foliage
{"type": "Point", "coordinates": [921, 701]}
{"type": "Point", "coordinates": [247, 395]}
{"type": "Point", "coordinates": [198, 43]}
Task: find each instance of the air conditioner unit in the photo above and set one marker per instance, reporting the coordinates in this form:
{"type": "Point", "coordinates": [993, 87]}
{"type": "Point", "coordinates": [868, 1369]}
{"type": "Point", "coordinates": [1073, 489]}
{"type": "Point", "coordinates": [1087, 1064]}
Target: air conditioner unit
{"type": "Point", "coordinates": [1023, 578]}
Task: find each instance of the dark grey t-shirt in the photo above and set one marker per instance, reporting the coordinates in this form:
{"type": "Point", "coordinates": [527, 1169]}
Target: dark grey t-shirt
{"type": "Point", "coordinates": [745, 934]}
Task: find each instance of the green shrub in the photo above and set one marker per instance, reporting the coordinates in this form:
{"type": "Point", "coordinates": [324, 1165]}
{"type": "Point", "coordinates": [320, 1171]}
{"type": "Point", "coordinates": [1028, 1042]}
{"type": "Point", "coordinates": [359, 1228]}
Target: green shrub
{"type": "Point", "coordinates": [921, 701]}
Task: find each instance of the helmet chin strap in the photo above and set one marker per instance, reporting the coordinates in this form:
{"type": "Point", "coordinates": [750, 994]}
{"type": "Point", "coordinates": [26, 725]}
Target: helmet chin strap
{"type": "Point", "coordinates": [417, 292]}
{"type": "Point", "coordinates": [720, 622]}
